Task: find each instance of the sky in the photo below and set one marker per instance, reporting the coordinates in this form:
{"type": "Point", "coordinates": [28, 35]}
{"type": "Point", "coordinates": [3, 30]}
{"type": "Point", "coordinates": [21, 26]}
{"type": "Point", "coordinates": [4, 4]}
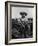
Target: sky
{"type": "Point", "coordinates": [16, 12]}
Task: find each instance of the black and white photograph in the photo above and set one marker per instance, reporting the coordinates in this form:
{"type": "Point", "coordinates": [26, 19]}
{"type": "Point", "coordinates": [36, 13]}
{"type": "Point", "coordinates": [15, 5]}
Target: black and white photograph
{"type": "Point", "coordinates": [21, 22]}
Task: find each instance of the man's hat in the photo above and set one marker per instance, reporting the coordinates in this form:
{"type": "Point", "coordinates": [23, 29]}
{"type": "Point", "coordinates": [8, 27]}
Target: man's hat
{"type": "Point", "coordinates": [23, 13]}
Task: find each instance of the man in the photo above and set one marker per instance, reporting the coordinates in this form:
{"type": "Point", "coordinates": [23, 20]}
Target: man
{"type": "Point", "coordinates": [23, 27]}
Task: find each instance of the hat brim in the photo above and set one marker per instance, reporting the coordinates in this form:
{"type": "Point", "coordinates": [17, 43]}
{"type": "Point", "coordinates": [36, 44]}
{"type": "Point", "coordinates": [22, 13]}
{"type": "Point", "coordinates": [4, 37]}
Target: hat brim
{"type": "Point", "coordinates": [23, 13]}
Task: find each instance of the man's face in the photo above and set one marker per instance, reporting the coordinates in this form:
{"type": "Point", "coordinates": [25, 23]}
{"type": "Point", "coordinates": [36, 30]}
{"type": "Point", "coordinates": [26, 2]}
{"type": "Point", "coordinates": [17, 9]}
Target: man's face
{"type": "Point", "coordinates": [23, 16]}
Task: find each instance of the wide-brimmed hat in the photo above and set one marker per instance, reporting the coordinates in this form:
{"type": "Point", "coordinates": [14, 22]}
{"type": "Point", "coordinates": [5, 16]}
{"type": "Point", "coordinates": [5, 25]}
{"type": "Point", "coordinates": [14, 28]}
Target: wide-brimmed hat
{"type": "Point", "coordinates": [23, 13]}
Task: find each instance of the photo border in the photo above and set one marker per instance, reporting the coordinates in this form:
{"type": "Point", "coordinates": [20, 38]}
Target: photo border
{"type": "Point", "coordinates": [6, 21]}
